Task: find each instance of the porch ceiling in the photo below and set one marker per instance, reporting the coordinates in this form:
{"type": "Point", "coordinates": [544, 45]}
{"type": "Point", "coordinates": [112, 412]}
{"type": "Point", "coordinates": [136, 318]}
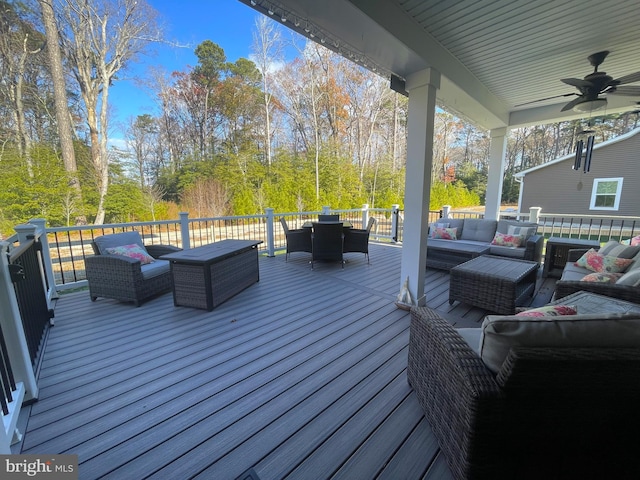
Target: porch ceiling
{"type": "Point", "coordinates": [493, 55]}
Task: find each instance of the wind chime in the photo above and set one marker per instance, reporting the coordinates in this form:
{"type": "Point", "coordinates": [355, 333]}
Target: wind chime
{"type": "Point", "coordinates": [583, 157]}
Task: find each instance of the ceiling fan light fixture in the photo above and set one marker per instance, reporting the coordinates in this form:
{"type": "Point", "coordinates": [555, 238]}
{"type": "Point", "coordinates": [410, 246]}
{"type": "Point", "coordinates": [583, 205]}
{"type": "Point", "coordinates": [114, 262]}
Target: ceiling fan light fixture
{"type": "Point", "coordinates": [590, 105]}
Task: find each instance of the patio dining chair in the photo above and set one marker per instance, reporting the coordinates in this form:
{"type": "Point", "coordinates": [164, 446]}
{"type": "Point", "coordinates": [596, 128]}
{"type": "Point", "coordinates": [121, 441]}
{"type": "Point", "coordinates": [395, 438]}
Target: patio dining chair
{"type": "Point", "coordinates": [328, 218]}
{"type": "Point", "coordinates": [327, 241]}
{"type": "Point", "coordinates": [357, 239]}
{"type": "Point", "coordinates": [298, 240]}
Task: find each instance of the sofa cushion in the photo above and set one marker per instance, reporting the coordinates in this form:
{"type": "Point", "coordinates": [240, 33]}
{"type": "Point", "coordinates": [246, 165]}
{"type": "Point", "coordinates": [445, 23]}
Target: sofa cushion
{"type": "Point", "coordinates": [631, 278]}
{"type": "Point", "coordinates": [445, 233]}
{"type": "Point", "coordinates": [616, 249]}
{"type": "Point", "coordinates": [549, 311]}
{"type": "Point", "coordinates": [117, 240]}
{"type": "Point", "coordinates": [479, 229]}
{"type": "Point", "coordinates": [511, 252]}
{"type": "Point", "coordinates": [601, 277]}
{"type": "Point", "coordinates": [458, 224]}
{"type": "Point", "coordinates": [501, 333]}
{"type": "Point", "coordinates": [503, 225]}
{"type": "Point", "coordinates": [525, 232]}
{"type": "Point", "coordinates": [506, 240]}
{"type": "Point", "coordinates": [597, 262]}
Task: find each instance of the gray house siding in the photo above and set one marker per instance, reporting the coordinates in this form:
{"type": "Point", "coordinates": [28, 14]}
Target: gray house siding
{"type": "Point", "coordinates": [557, 188]}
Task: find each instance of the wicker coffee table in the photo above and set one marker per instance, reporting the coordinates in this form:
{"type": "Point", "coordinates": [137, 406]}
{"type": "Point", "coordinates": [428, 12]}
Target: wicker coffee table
{"type": "Point", "coordinates": [497, 284]}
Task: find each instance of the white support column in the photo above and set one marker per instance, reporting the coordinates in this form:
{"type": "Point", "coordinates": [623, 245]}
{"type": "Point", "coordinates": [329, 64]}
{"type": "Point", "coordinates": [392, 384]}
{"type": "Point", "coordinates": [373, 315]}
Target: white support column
{"type": "Point", "coordinates": [422, 87]}
{"type": "Point", "coordinates": [497, 152]}
{"type": "Point", "coordinates": [365, 215]}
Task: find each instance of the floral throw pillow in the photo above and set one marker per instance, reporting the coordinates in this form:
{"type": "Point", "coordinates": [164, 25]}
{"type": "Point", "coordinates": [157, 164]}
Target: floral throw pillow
{"type": "Point", "coordinates": [635, 241]}
{"type": "Point", "coordinates": [601, 277]}
{"type": "Point", "coordinates": [550, 311]}
{"type": "Point", "coordinates": [506, 240]}
{"type": "Point", "coordinates": [445, 233]}
{"type": "Point", "coordinates": [132, 251]}
{"type": "Point", "coordinates": [596, 262]}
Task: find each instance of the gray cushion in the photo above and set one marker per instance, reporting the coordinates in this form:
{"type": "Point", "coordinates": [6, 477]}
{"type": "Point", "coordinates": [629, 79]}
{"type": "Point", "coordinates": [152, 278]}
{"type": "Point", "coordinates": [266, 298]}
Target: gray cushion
{"type": "Point", "coordinates": [154, 269]}
{"type": "Point", "coordinates": [511, 252]}
{"type": "Point", "coordinates": [500, 333]}
{"type": "Point", "coordinates": [574, 273]}
{"type": "Point", "coordinates": [503, 225]}
{"type": "Point", "coordinates": [117, 240]}
{"type": "Point", "coordinates": [457, 223]}
{"type": "Point", "coordinates": [479, 229]}
{"type": "Point", "coordinates": [616, 249]}
{"type": "Point", "coordinates": [472, 336]}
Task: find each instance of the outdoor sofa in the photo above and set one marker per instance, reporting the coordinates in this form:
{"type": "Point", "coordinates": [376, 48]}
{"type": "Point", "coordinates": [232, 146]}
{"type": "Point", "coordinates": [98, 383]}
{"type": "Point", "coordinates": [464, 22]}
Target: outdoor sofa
{"type": "Point", "coordinates": [623, 284]}
{"type": "Point", "coordinates": [519, 406]}
{"type": "Point", "coordinates": [470, 237]}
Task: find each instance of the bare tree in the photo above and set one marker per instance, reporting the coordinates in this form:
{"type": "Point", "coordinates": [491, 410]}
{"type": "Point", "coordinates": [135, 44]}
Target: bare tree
{"type": "Point", "coordinates": [267, 49]}
{"type": "Point", "coordinates": [65, 132]}
{"type": "Point", "coordinates": [99, 38]}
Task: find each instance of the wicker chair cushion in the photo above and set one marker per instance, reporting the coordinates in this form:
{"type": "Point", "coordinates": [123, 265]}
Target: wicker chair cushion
{"type": "Point", "coordinates": [597, 262]}
{"type": "Point", "coordinates": [117, 240]}
{"type": "Point", "coordinates": [500, 333]}
{"type": "Point", "coordinates": [632, 278]}
{"type": "Point", "coordinates": [155, 269]}
{"type": "Point", "coordinates": [616, 249]}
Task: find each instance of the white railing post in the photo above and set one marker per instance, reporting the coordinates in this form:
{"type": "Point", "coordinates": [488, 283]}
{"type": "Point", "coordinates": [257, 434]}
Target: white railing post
{"type": "Point", "coordinates": [41, 230]}
{"type": "Point", "coordinates": [271, 246]}
{"type": "Point", "coordinates": [184, 230]}
{"type": "Point", "coordinates": [13, 329]}
{"type": "Point", "coordinates": [534, 214]}
{"type": "Point", "coordinates": [326, 210]}
{"type": "Point", "coordinates": [365, 214]}
{"type": "Point", "coordinates": [395, 219]}
{"type": "Point", "coordinates": [446, 209]}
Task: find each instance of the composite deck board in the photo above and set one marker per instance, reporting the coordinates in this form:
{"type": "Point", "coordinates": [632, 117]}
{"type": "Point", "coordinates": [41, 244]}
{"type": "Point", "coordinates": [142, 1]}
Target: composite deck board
{"type": "Point", "coordinates": [301, 375]}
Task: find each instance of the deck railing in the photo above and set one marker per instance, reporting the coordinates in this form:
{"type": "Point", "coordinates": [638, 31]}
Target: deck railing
{"type": "Point", "coordinates": [67, 247]}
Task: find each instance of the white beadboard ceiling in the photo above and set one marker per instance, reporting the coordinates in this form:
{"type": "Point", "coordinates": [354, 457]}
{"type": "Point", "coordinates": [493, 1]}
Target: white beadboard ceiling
{"type": "Point", "coordinates": [492, 54]}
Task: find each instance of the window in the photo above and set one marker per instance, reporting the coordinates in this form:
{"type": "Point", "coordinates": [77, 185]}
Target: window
{"type": "Point", "coordinates": [606, 193]}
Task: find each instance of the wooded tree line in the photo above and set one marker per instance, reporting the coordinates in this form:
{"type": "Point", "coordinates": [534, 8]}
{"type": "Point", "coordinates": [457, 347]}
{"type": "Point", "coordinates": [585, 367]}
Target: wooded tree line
{"type": "Point", "coordinates": [292, 132]}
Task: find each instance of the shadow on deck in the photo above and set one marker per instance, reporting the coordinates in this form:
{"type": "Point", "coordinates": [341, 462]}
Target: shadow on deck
{"type": "Point", "coordinates": [302, 375]}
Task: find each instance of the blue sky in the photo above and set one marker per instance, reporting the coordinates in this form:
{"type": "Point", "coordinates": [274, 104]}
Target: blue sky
{"type": "Point", "coordinates": [229, 23]}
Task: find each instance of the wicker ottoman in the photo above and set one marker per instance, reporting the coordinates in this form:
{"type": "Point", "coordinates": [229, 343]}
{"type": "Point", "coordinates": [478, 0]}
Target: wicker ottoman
{"type": "Point", "coordinates": [497, 284]}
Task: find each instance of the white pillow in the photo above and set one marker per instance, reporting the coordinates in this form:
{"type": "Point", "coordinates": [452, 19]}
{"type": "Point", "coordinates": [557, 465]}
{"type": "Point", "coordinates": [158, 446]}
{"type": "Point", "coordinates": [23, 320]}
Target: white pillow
{"type": "Point", "coordinates": [500, 333]}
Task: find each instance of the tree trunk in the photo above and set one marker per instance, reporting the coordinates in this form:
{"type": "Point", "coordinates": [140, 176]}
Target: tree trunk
{"type": "Point", "coordinates": [62, 107]}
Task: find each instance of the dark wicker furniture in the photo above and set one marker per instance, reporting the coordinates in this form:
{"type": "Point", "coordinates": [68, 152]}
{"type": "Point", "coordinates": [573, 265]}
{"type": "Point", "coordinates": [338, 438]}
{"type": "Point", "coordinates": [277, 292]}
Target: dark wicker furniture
{"type": "Point", "coordinates": [556, 251]}
{"type": "Point", "coordinates": [123, 278]}
{"type": "Point", "coordinates": [553, 413]}
{"type": "Point", "coordinates": [298, 240]}
{"type": "Point", "coordinates": [567, 287]}
{"type": "Point", "coordinates": [206, 276]}
{"type": "Point", "coordinates": [327, 241]}
{"type": "Point", "coordinates": [357, 240]}
{"type": "Point", "coordinates": [494, 283]}
{"type": "Point", "coordinates": [446, 254]}
{"type": "Point", "coordinates": [328, 218]}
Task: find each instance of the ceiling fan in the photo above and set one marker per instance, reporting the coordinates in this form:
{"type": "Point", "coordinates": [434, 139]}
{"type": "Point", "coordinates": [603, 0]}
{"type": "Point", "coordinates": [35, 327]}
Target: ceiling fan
{"type": "Point", "coordinates": [594, 85]}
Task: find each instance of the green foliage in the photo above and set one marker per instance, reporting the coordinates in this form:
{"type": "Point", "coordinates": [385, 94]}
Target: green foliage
{"type": "Point", "coordinates": [454, 194]}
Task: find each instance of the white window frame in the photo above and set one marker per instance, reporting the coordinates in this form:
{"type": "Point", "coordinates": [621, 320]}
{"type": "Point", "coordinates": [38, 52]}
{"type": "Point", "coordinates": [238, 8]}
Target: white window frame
{"type": "Point", "coordinates": [596, 182]}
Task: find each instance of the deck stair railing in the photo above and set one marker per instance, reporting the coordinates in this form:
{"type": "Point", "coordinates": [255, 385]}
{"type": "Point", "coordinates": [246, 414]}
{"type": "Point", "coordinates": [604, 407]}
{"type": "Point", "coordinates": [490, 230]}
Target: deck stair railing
{"type": "Point", "coordinates": [17, 376]}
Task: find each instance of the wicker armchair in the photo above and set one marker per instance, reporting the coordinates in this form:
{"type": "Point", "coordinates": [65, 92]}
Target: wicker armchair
{"type": "Point", "coordinates": [357, 240]}
{"type": "Point", "coordinates": [124, 278]}
{"type": "Point", "coordinates": [553, 413]}
{"type": "Point", "coordinates": [327, 241]}
{"type": "Point", "coordinates": [567, 287]}
{"type": "Point", "coordinates": [298, 240]}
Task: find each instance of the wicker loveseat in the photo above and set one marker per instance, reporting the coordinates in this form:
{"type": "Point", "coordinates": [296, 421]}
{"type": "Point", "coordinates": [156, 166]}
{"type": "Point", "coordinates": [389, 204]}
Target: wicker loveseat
{"type": "Point", "coordinates": [474, 236]}
{"type": "Point", "coordinates": [126, 278]}
{"type": "Point", "coordinates": [627, 287]}
{"type": "Point", "coordinates": [549, 412]}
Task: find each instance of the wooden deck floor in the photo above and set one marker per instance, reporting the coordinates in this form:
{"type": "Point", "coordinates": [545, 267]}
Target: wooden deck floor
{"type": "Point", "coordinates": [302, 375]}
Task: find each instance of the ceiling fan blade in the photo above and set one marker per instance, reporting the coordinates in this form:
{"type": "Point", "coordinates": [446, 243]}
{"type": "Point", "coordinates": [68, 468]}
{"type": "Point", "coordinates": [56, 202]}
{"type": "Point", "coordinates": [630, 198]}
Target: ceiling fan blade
{"type": "Point", "coordinates": [543, 99]}
{"type": "Point", "coordinates": [631, 78]}
{"type": "Point", "coordinates": [629, 91]}
{"type": "Point", "coordinates": [577, 82]}
{"type": "Point", "coordinates": [572, 103]}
